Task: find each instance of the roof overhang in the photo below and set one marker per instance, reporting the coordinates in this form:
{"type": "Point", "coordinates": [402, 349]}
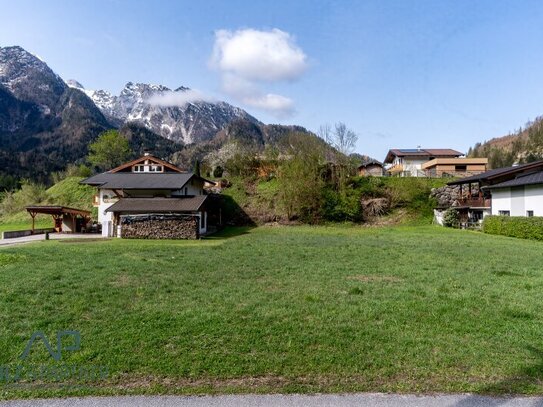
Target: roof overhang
{"type": "Point", "coordinates": [454, 161]}
{"type": "Point", "coordinates": [56, 210]}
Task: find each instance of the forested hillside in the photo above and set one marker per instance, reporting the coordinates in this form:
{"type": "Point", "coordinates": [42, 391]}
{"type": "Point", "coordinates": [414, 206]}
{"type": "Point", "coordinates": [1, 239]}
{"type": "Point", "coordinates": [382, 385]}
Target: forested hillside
{"type": "Point", "coordinates": [523, 146]}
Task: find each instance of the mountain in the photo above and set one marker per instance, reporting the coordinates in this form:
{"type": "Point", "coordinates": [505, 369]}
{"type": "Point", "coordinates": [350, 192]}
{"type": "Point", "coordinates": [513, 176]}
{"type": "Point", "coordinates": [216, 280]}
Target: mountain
{"type": "Point", "coordinates": [523, 146]}
{"type": "Point", "coordinates": [45, 124]}
{"type": "Point", "coordinates": [188, 123]}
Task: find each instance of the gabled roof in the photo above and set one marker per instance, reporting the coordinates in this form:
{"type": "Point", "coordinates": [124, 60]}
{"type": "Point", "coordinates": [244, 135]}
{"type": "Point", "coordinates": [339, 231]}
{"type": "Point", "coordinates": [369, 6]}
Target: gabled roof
{"type": "Point", "coordinates": [133, 180]}
{"type": "Point", "coordinates": [158, 205]}
{"type": "Point", "coordinates": [421, 152]}
{"type": "Point", "coordinates": [145, 158]}
{"type": "Point", "coordinates": [370, 162]}
{"type": "Point", "coordinates": [534, 178]}
{"type": "Point", "coordinates": [489, 176]}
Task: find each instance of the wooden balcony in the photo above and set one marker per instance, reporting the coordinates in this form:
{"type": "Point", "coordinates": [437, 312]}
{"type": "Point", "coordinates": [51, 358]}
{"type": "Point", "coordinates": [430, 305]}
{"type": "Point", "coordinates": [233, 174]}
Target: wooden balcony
{"type": "Point", "coordinates": [475, 202]}
{"type": "Point", "coordinates": [395, 168]}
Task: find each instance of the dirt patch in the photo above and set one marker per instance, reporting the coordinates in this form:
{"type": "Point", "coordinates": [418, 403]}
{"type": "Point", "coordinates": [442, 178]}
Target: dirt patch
{"type": "Point", "coordinates": [121, 281]}
{"type": "Point", "coordinates": [376, 279]}
{"type": "Point", "coordinates": [82, 240]}
{"type": "Point", "coordinates": [128, 383]}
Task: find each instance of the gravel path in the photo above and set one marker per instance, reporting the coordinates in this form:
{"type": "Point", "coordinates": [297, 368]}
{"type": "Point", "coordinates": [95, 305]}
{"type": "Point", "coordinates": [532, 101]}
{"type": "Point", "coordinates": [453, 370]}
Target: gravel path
{"type": "Point", "coordinates": [350, 400]}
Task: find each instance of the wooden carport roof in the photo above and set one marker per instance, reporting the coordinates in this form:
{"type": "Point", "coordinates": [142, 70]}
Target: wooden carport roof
{"type": "Point", "coordinates": [56, 210]}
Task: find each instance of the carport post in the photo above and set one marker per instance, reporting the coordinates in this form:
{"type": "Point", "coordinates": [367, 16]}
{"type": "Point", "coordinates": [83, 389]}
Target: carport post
{"type": "Point", "coordinates": [33, 215]}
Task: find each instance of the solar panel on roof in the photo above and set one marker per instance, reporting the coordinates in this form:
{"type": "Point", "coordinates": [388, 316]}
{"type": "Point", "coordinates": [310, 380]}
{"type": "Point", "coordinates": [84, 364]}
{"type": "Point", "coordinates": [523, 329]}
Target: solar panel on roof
{"type": "Point", "coordinates": [411, 150]}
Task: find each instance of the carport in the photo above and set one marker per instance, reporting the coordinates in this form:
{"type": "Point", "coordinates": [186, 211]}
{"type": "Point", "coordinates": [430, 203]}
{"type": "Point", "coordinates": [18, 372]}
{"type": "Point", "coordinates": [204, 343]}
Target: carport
{"type": "Point", "coordinates": [68, 220]}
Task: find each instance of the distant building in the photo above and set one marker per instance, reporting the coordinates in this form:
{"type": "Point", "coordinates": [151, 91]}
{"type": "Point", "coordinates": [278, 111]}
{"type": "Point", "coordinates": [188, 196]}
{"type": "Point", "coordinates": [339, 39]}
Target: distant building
{"type": "Point", "coordinates": [408, 162]}
{"type": "Point", "coordinates": [454, 167]}
{"type": "Point", "coordinates": [371, 168]}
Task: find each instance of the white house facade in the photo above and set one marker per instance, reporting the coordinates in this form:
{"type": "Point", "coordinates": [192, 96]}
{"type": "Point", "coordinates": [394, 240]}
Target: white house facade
{"type": "Point", "coordinates": [408, 162]}
{"type": "Point", "coordinates": [150, 198]}
{"type": "Point", "coordinates": [522, 196]}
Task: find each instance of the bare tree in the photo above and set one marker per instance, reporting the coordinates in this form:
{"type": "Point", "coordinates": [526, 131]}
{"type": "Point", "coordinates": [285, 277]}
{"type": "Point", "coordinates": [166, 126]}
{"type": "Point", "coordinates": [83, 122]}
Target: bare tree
{"type": "Point", "coordinates": [344, 139]}
{"type": "Point", "coordinates": [325, 133]}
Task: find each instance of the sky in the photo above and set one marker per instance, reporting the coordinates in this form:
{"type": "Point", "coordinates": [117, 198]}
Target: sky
{"type": "Point", "coordinates": [401, 74]}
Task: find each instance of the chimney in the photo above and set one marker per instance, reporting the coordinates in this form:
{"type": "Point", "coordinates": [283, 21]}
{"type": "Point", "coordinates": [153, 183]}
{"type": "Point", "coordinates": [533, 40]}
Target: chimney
{"type": "Point", "coordinates": [146, 152]}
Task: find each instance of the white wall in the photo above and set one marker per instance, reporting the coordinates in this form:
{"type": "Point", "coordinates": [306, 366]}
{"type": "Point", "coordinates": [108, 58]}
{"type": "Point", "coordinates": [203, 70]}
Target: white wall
{"type": "Point", "coordinates": [107, 198]}
{"type": "Point", "coordinates": [533, 199]}
{"type": "Point", "coordinates": [518, 201]}
{"type": "Point", "coordinates": [194, 187]}
{"type": "Point", "coordinates": [413, 165]}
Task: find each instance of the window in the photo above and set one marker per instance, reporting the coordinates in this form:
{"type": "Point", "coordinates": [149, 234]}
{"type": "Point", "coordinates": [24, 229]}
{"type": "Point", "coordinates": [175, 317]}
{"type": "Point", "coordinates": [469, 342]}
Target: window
{"type": "Point", "coordinates": [504, 213]}
{"type": "Point", "coordinates": [529, 213]}
{"type": "Point", "coordinates": [186, 191]}
{"type": "Point", "coordinates": [460, 167]}
{"type": "Point", "coordinates": [202, 220]}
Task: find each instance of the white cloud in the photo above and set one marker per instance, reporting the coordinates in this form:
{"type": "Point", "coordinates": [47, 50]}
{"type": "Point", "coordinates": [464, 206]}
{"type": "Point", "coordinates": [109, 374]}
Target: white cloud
{"type": "Point", "coordinates": [178, 98]}
{"type": "Point", "coordinates": [258, 55]}
{"type": "Point", "coordinates": [247, 59]}
{"type": "Point", "coordinates": [278, 105]}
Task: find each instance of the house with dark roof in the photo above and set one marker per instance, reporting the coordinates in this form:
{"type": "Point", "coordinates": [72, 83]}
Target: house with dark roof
{"type": "Point", "coordinates": [521, 196]}
{"type": "Point", "coordinates": [408, 162]}
{"type": "Point", "coordinates": [371, 168]}
{"type": "Point", "coordinates": [150, 198]}
{"type": "Point", "coordinates": [515, 190]}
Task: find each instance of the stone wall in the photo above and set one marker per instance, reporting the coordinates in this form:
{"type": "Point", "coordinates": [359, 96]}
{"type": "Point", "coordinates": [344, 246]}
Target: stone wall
{"type": "Point", "coordinates": [446, 196]}
{"type": "Point", "coordinates": [159, 227]}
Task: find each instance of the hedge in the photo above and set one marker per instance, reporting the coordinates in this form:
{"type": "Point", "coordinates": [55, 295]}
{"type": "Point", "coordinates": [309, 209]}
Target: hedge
{"type": "Point", "coordinates": [514, 226]}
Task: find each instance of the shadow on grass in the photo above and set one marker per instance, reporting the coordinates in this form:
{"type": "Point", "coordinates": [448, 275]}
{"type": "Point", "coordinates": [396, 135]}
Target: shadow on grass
{"type": "Point", "coordinates": [528, 380]}
{"type": "Point", "coordinates": [230, 231]}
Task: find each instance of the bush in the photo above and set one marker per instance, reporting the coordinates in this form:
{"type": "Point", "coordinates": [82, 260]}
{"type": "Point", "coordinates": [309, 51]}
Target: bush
{"type": "Point", "coordinates": [514, 226]}
{"type": "Point", "coordinates": [218, 171]}
{"type": "Point", "coordinates": [29, 194]}
{"type": "Point", "coordinates": [339, 207]}
{"type": "Point", "coordinates": [451, 218]}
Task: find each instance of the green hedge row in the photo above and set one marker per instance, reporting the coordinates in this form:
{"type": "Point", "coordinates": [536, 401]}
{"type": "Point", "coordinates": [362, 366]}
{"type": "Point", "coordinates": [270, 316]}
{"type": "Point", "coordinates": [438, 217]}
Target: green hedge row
{"type": "Point", "coordinates": [514, 226]}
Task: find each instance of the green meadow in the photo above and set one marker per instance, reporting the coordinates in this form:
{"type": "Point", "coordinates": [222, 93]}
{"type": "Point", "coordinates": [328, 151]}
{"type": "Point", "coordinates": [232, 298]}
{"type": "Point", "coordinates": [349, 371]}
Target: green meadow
{"type": "Point", "coordinates": [280, 309]}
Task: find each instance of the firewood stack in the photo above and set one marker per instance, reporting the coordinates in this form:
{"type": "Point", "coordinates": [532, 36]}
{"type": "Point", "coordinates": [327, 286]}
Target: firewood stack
{"type": "Point", "coordinates": [159, 227]}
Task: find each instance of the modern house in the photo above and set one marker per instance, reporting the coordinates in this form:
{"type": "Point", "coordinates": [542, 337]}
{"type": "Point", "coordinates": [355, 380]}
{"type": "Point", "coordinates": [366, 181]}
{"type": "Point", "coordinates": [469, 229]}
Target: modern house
{"type": "Point", "coordinates": [512, 190]}
{"type": "Point", "coordinates": [454, 167]}
{"type": "Point", "coordinates": [408, 162]}
{"type": "Point", "coordinates": [371, 168]}
{"type": "Point", "coordinates": [150, 198]}
{"type": "Point", "coordinates": [521, 196]}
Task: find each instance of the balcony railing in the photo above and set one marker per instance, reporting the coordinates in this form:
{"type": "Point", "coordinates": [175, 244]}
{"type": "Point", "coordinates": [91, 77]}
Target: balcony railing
{"type": "Point", "coordinates": [396, 168]}
{"type": "Point", "coordinates": [476, 202]}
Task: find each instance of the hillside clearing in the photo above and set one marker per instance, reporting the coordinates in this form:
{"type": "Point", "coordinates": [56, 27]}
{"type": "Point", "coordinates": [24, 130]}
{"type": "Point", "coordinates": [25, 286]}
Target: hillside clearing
{"type": "Point", "coordinates": [283, 309]}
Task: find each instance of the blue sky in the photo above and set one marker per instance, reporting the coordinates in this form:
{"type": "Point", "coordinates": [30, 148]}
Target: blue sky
{"type": "Point", "coordinates": [399, 73]}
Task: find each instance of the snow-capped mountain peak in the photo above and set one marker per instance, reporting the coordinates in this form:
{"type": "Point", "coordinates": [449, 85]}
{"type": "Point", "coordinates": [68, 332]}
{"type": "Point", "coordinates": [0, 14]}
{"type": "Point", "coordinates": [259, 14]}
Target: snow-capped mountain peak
{"type": "Point", "coordinates": [186, 123]}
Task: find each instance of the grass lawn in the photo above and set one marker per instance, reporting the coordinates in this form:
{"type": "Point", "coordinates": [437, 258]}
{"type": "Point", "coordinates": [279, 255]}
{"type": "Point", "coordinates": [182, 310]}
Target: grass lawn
{"type": "Point", "coordinates": [282, 309]}
{"type": "Point", "coordinates": [41, 222]}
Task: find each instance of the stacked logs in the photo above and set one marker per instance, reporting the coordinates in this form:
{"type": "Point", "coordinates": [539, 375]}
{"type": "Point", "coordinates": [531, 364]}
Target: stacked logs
{"type": "Point", "coordinates": [159, 227]}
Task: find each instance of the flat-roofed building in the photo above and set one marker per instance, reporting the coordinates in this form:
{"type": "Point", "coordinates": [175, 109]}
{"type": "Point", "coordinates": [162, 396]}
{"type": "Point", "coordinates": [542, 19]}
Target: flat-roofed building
{"type": "Point", "coordinates": [454, 167]}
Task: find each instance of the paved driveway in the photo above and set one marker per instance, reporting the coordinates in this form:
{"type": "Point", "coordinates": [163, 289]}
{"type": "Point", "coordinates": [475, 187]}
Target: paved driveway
{"type": "Point", "coordinates": [351, 400]}
{"type": "Point", "coordinates": [52, 236]}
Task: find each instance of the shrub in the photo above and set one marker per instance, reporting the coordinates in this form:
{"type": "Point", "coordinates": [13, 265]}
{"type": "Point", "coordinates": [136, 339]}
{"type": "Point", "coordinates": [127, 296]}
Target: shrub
{"type": "Point", "coordinates": [217, 172]}
{"type": "Point", "coordinates": [514, 226]}
{"type": "Point", "coordinates": [451, 218]}
{"type": "Point", "coordinates": [29, 194]}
